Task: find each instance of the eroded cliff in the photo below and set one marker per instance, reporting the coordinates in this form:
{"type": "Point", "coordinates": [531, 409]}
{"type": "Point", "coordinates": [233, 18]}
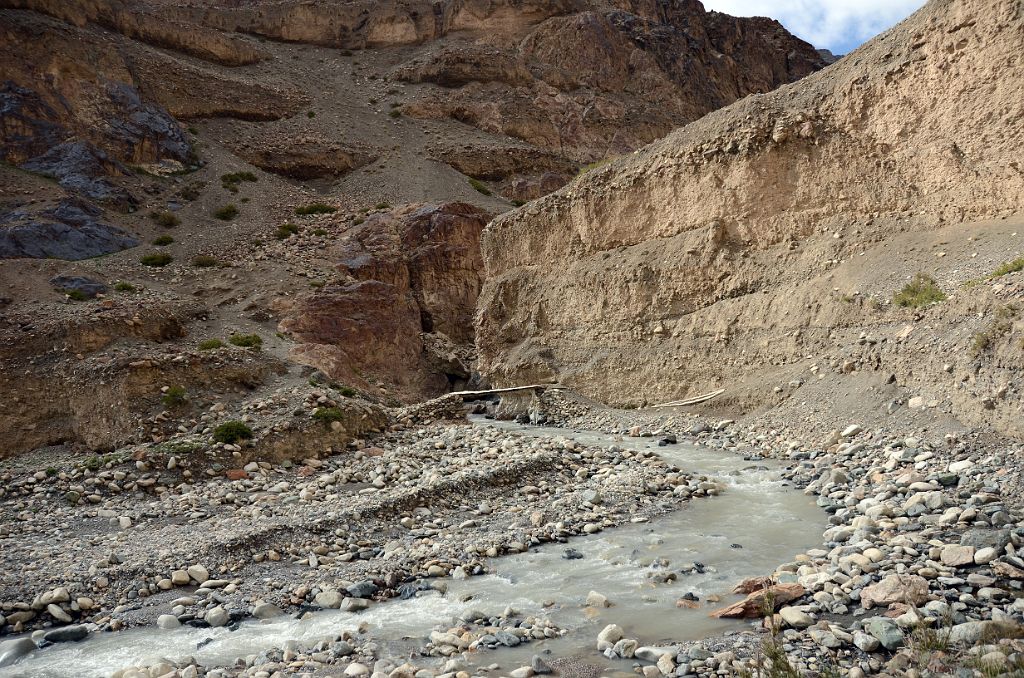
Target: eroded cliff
{"type": "Point", "coordinates": [727, 253]}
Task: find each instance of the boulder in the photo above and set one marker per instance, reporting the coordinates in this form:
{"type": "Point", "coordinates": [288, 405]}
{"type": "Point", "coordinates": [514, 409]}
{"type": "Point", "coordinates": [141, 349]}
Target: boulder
{"type": "Point", "coordinates": [895, 588]}
{"type": "Point", "coordinates": [756, 604]}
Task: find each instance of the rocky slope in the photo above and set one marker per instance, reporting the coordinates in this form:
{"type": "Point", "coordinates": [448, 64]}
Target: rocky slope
{"type": "Point", "coordinates": [759, 247]}
{"type": "Point", "coordinates": [203, 127]}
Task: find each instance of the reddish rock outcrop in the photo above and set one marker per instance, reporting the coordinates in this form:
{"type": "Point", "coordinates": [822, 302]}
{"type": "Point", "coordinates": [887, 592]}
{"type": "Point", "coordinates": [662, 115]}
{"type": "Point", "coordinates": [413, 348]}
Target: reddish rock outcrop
{"type": "Point", "coordinates": [404, 310]}
{"type": "Point", "coordinates": [759, 603]}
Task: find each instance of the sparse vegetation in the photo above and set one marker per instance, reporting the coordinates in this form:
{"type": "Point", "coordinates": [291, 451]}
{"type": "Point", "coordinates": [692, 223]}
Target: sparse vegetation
{"type": "Point", "coordinates": [357, 221]}
{"type": "Point", "coordinates": [231, 432]}
{"type": "Point", "coordinates": [163, 240]}
{"type": "Point", "coordinates": [1000, 327]}
{"type": "Point", "coordinates": [382, 206]}
{"type": "Point", "coordinates": [921, 291]}
{"type": "Point", "coordinates": [227, 212]}
{"type": "Point", "coordinates": [320, 231]}
{"type": "Point", "coordinates": [310, 114]}
{"type": "Point", "coordinates": [122, 286]}
{"type": "Point", "coordinates": [192, 191]}
{"type": "Point", "coordinates": [232, 180]}
{"type": "Point", "coordinates": [156, 259]}
{"type": "Point", "coordinates": [174, 397]}
{"type": "Point", "coordinates": [246, 340]}
{"type": "Point", "coordinates": [180, 447]}
{"type": "Point", "coordinates": [1014, 266]}
{"type": "Point", "coordinates": [210, 344]}
{"type": "Point", "coordinates": [165, 218]}
{"type": "Point", "coordinates": [597, 164]}
{"type": "Point", "coordinates": [315, 208]}
{"type": "Point", "coordinates": [205, 261]}
{"type": "Point", "coordinates": [327, 415]}
{"type": "Point", "coordinates": [346, 391]}
{"type": "Point", "coordinates": [76, 295]}
{"type": "Point", "coordinates": [479, 186]}
{"type": "Point", "coordinates": [285, 231]}
{"type": "Point", "coordinates": [395, 113]}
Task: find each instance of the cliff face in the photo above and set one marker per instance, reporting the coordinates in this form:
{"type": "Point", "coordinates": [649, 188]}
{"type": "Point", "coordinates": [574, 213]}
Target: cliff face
{"type": "Point", "coordinates": [600, 81]}
{"type": "Point", "coordinates": [696, 261]}
{"type": "Point", "coordinates": [402, 311]}
{"type": "Point", "coordinates": [574, 78]}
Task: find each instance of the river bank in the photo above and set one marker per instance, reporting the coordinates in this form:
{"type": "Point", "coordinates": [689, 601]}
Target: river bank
{"type": "Point", "coordinates": [914, 548]}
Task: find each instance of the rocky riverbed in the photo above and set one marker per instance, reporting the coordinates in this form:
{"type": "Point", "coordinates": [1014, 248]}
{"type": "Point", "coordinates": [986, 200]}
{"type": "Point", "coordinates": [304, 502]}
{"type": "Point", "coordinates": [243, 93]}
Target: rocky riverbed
{"type": "Point", "coordinates": [917, 570]}
{"type": "Point", "coordinates": [384, 518]}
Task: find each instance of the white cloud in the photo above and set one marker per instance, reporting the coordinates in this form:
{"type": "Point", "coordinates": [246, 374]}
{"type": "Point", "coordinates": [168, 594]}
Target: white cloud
{"type": "Point", "coordinates": [838, 25]}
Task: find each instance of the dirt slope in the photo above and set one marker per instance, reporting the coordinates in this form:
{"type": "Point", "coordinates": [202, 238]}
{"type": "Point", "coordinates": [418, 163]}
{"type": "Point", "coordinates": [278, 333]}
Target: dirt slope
{"type": "Point", "coordinates": [716, 255]}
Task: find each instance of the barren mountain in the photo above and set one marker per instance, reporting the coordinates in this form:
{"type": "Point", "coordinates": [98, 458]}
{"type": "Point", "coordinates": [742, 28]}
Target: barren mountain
{"type": "Point", "coordinates": [760, 247]}
{"type": "Point", "coordinates": [227, 160]}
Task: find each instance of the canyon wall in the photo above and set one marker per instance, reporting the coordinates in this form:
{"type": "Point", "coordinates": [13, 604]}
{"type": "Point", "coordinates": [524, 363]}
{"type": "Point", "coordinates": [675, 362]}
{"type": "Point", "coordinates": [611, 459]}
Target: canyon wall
{"type": "Point", "coordinates": [713, 255]}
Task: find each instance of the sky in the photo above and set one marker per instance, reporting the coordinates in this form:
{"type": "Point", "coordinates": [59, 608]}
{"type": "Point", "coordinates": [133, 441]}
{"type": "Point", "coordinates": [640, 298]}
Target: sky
{"type": "Point", "coordinates": [837, 25]}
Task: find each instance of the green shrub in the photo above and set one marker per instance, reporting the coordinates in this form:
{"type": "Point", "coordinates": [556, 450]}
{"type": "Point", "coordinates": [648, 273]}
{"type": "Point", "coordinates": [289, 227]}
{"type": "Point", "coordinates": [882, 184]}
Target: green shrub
{"type": "Point", "coordinates": [395, 113]}
{"type": "Point", "coordinates": [123, 286]}
{"type": "Point", "coordinates": [310, 114]}
{"type": "Point", "coordinates": [179, 447]}
{"type": "Point", "coordinates": [590, 167]}
{"type": "Point", "coordinates": [157, 259]}
{"type": "Point", "coordinates": [320, 231]}
{"type": "Point", "coordinates": [76, 295]}
{"type": "Point", "coordinates": [328, 414]}
{"type": "Point", "coordinates": [192, 191]}
{"type": "Point", "coordinates": [204, 261]}
{"type": "Point", "coordinates": [1014, 266]}
{"type": "Point", "coordinates": [480, 186]}
{"type": "Point", "coordinates": [921, 291]}
{"type": "Point", "coordinates": [346, 391]}
{"type": "Point", "coordinates": [163, 240]}
{"type": "Point", "coordinates": [227, 212]}
{"type": "Point", "coordinates": [51, 471]}
{"type": "Point", "coordinates": [210, 344]}
{"type": "Point", "coordinates": [357, 221]}
{"type": "Point", "coordinates": [1000, 327]}
{"type": "Point", "coordinates": [246, 340]}
{"type": "Point", "coordinates": [315, 208]}
{"type": "Point", "coordinates": [383, 206]}
{"type": "Point", "coordinates": [231, 432]}
{"type": "Point", "coordinates": [518, 203]}
{"type": "Point", "coordinates": [174, 396]}
{"type": "Point", "coordinates": [286, 230]}
{"type": "Point", "coordinates": [232, 180]}
{"type": "Point", "coordinates": [165, 218]}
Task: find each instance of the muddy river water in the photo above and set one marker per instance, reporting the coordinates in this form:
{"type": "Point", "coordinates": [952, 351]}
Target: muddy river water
{"type": "Point", "coordinates": [755, 524]}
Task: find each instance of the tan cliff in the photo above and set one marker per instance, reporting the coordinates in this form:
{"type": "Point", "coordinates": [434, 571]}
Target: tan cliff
{"type": "Point", "coordinates": [722, 254]}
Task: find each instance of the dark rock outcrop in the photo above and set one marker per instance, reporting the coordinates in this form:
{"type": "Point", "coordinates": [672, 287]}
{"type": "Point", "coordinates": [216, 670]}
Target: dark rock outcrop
{"type": "Point", "coordinates": [72, 230]}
